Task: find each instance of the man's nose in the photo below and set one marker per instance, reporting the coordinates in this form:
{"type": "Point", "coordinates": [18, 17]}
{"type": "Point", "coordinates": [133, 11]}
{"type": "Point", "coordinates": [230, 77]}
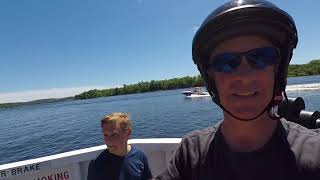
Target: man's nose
{"type": "Point", "coordinates": [244, 69]}
{"type": "Point", "coordinates": [245, 73]}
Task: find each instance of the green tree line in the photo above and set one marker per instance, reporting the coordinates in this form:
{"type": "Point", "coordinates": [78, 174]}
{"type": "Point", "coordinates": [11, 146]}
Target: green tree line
{"type": "Point", "coordinates": [311, 68]}
{"type": "Point", "coordinates": [175, 83]}
{"type": "Point", "coordinates": [8, 105]}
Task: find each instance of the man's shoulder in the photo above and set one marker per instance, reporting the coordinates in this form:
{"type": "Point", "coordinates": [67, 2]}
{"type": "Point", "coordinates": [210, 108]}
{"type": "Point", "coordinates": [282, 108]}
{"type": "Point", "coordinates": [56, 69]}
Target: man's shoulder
{"type": "Point", "coordinates": [305, 143]}
{"type": "Point", "coordinates": [199, 141]}
{"type": "Point", "coordinates": [202, 134]}
{"type": "Point", "coordinates": [297, 133]}
{"type": "Point", "coordinates": [297, 128]}
{"type": "Point", "coordinates": [193, 149]}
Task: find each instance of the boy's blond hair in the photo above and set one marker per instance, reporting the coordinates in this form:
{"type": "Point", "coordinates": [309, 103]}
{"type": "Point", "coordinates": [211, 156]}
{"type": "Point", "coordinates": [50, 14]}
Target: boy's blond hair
{"type": "Point", "coordinates": [123, 119]}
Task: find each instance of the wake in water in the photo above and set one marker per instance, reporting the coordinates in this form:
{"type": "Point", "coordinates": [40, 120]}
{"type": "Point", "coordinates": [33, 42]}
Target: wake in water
{"type": "Point", "coordinates": [304, 87]}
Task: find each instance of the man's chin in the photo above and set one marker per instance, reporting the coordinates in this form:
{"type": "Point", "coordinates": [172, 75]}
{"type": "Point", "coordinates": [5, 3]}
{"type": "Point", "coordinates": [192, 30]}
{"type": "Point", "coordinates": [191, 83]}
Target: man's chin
{"type": "Point", "coordinates": [246, 113]}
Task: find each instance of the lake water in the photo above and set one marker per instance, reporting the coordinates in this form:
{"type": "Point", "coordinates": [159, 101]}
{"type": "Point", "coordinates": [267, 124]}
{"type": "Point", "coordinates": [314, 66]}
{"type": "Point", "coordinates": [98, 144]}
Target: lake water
{"type": "Point", "coordinates": [29, 132]}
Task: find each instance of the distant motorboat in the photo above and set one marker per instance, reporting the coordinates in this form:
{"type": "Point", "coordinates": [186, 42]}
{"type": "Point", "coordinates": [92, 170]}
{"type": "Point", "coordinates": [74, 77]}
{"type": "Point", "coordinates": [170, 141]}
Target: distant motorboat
{"type": "Point", "coordinates": [196, 92]}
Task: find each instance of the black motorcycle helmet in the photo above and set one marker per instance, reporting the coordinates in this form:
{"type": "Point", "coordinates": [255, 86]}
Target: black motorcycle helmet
{"type": "Point", "coordinates": [245, 17]}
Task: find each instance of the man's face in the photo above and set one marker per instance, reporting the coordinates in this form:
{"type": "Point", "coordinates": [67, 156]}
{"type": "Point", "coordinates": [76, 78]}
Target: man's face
{"type": "Point", "coordinates": [115, 138]}
{"type": "Point", "coordinates": [246, 91]}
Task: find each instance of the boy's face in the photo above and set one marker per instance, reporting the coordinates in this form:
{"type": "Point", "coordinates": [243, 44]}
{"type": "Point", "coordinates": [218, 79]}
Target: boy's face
{"type": "Point", "coordinates": [115, 138]}
{"type": "Point", "coordinates": [247, 91]}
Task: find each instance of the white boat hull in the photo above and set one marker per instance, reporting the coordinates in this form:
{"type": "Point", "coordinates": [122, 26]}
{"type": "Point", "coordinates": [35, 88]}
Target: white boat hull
{"type": "Point", "coordinates": [196, 93]}
{"type": "Point", "coordinates": [198, 96]}
{"type": "Point", "coordinates": [73, 165]}
{"type": "Point", "coordinates": [191, 94]}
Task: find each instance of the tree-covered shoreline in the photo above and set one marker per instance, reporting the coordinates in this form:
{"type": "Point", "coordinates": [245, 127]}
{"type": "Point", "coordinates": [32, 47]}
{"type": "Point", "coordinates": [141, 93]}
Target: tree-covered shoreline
{"type": "Point", "coordinates": [35, 102]}
{"type": "Point", "coordinates": [311, 68]}
{"type": "Point", "coordinates": [141, 87]}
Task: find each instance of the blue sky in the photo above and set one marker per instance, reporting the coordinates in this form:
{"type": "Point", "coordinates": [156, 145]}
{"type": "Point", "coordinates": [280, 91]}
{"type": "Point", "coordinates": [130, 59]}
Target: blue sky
{"type": "Point", "coordinates": [67, 46]}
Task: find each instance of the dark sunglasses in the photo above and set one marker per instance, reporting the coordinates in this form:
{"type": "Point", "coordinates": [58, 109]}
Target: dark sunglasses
{"type": "Point", "coordinates": [258, 58]}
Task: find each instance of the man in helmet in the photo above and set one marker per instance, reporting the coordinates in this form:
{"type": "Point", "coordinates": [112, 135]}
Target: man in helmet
{"type": "Point", "coordinates": [242, 51]}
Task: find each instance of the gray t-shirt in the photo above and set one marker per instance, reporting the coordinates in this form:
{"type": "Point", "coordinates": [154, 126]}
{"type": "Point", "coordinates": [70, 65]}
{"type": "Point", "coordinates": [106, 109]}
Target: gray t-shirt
{"type": "Point", "coordinates": [293, 152]}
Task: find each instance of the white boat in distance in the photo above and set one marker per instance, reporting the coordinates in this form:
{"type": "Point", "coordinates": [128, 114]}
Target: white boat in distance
{"type": "Point", "coordinates": [196, 92]}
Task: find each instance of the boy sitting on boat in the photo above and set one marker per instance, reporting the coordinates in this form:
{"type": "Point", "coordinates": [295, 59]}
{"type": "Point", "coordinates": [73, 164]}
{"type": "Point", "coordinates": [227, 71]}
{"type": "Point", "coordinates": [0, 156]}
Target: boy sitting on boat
{"type": "Point", "coordinates": [120, 160]}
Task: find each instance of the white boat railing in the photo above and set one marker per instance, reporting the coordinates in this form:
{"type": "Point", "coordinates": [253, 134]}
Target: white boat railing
{"type": "Point", "coordinates": [73, 165]}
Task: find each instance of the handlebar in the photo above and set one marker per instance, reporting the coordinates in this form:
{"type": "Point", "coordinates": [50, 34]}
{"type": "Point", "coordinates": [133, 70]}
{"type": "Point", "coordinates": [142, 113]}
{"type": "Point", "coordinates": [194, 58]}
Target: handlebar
{"type": "Point", "coordinates": [293, 110]}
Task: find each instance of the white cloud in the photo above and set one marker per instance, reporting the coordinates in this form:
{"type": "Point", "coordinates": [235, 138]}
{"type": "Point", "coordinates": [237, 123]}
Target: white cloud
{"type": "Point", "coordinates": [31, 95]}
